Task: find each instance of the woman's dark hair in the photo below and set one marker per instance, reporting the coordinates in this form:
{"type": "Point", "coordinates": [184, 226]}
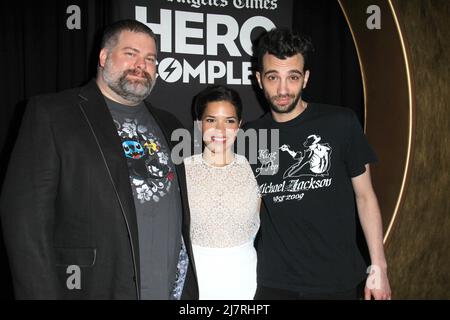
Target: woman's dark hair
{"type": "Point", "coordinates": [213, 94]}
{"type": "Point", "coordinates": [112, 32]}
{"type": "Point", "coordinates": [283, 43]}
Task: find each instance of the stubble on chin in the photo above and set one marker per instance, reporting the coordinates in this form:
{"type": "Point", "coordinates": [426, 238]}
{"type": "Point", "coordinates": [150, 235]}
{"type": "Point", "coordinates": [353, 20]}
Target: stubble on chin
{"type": "Point", "coordinates": [282, 109]}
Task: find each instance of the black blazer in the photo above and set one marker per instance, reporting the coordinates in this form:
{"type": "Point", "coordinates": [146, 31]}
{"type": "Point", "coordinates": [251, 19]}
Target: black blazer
{"type": "Point", "coordinates": [67, 200]}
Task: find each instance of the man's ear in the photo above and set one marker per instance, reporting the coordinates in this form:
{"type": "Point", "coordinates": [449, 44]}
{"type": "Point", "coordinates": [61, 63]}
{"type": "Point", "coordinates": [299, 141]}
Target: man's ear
{"type": "Point", "coordinates": [102, 57]}
{"type": "Point", "coordinates": [305, 82]}
{"type": "Point", "coordinates": [258, 77]}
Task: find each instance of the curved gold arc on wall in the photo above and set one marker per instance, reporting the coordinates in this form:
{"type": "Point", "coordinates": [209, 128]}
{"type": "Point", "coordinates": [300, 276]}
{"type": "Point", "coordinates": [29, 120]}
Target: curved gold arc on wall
{"type": "Point", "coordinates": [388, 97]}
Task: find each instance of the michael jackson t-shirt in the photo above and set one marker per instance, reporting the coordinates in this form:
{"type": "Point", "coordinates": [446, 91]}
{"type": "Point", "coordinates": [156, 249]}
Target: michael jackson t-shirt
{"type": "Point", "coordinates": [304, 168]}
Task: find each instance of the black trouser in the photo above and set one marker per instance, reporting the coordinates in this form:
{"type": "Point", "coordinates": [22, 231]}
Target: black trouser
{"type": "Point", "coordinates": [266, 293]}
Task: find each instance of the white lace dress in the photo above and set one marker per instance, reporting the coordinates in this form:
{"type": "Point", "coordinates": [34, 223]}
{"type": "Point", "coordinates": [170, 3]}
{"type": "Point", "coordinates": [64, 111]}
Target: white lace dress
{"type": "Point", "coordinates": [224, 205]}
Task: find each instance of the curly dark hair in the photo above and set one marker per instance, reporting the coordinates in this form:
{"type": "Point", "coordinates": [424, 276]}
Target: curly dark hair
{"type": "Point", "coordinates": [283, 43]}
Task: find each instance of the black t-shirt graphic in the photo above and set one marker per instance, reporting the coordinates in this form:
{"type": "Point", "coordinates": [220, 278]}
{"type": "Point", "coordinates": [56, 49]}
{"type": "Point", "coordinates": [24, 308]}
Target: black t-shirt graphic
{"type": "Point", "coordinates": [308, 234]}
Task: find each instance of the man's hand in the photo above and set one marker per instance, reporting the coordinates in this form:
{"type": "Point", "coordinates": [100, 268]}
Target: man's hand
{"type": "Point", "coordinates": [377, 284]}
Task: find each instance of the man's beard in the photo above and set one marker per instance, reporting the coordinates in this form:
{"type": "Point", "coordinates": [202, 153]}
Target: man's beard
{"type": "Point", "coordinates": [285, 109]}
{"type": "Point", "coordinates": [131, 90]}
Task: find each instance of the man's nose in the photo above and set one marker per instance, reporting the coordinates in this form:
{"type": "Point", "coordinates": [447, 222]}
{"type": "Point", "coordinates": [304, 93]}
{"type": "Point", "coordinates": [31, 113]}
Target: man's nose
{"type": "Point", "coordinates": [140, 63]}
{"type": "Point", "coordinates": [282, 87]}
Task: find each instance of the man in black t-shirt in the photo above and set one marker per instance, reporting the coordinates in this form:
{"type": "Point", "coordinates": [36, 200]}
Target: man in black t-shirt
{"type": "Point", "coordinates": [310, 172]}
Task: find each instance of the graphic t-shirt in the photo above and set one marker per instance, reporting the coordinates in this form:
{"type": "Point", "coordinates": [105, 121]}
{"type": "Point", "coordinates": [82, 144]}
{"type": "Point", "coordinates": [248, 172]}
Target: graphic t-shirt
{"type": "Point", "coordinates": [156, 197]}
{"type": "Point", "coordinates": [308, 234]}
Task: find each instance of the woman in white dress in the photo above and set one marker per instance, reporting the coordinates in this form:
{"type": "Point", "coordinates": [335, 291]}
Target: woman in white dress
{"type": "Point", "coordinates": [224, 201]}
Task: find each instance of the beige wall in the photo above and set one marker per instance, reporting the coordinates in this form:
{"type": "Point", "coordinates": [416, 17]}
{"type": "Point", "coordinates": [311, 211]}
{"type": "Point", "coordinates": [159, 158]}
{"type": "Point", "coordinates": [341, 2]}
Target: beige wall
{"type": "Point", "coordinates": [418, 248]}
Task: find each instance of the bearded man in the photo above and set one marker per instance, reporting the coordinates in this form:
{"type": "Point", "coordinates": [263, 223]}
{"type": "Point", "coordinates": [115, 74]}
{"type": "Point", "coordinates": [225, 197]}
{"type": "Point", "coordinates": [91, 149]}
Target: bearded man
{"type": "Point", "coordinates": [88, 210]}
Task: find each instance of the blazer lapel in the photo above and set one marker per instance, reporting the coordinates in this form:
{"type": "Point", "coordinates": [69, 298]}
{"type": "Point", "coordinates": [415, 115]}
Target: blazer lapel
{"type": "Point", "coordinates": [100, 120]}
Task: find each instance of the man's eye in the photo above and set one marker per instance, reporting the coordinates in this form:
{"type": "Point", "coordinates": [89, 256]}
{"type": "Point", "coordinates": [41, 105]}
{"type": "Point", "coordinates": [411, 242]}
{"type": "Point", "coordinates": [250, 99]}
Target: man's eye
{"type": "Point", "coordinates": [209, 120]}
{"type": "Point", "coordinates": [130, 54]}
{"type": "Point", "coordinates": [271, 78]}
{"type": "Point", "coordinates": [295, 78]}
{"type": "Point", "coordinates": [231, 121]}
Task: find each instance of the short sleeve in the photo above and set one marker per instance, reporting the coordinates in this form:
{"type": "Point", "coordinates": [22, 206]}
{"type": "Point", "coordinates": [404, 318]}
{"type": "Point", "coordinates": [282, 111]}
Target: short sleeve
{"type": "Point", "coordinates": [358, 151]}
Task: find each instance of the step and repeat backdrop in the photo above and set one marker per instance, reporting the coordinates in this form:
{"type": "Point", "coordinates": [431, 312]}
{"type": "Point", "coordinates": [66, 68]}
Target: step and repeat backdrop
{"type": "Point", "coordinates": [203, 43]}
